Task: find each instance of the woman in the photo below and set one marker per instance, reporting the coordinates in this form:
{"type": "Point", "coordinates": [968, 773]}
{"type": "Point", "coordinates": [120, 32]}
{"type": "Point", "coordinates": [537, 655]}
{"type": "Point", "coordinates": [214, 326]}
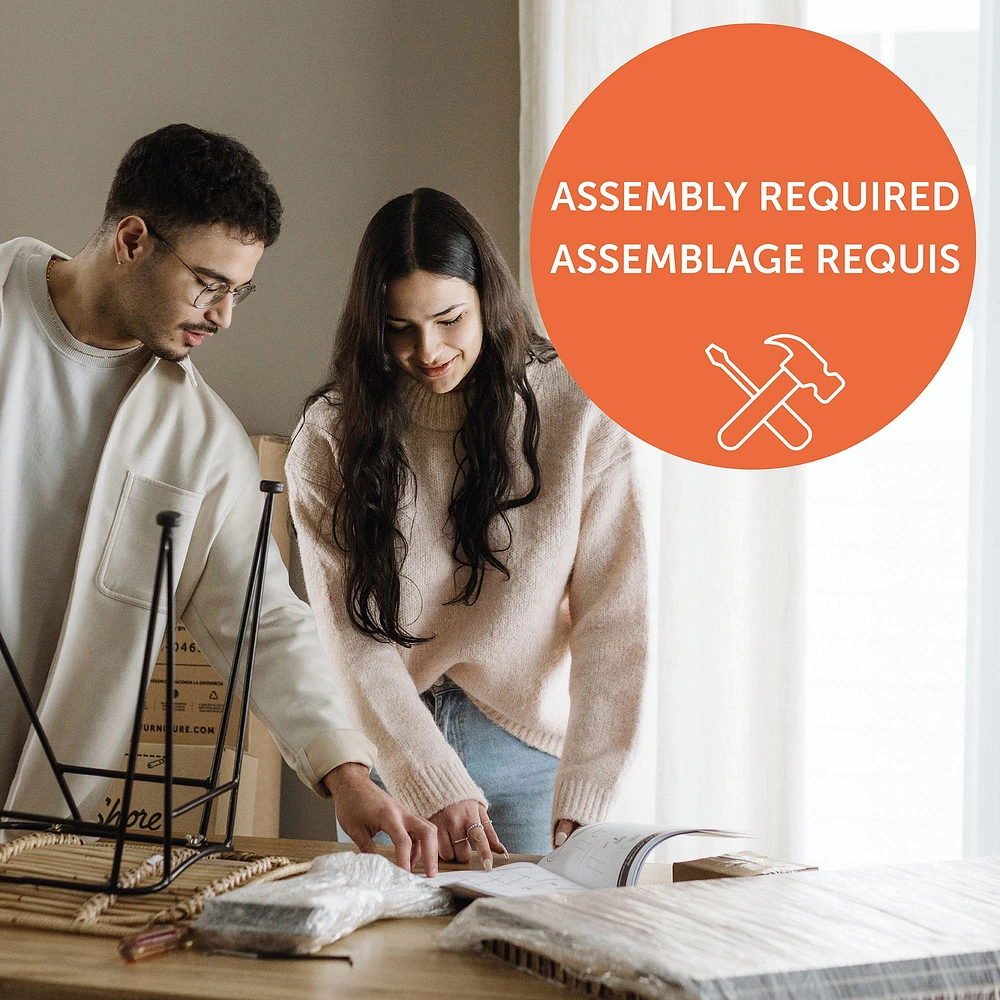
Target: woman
{"type": "Point", "coordinates": [471, 541]}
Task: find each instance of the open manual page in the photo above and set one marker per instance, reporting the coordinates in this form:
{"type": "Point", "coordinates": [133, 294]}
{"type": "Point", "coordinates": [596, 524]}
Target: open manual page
{"type": "Point", "coordinates": [599, 856]}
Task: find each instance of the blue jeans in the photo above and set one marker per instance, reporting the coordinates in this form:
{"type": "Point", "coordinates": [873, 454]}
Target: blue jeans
{"type": "Point", "coordinates": [517, 779]}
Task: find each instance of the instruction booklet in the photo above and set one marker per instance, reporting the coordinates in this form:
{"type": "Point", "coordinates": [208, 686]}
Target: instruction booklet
{"type": "Point", "coordinates": [599, 856]}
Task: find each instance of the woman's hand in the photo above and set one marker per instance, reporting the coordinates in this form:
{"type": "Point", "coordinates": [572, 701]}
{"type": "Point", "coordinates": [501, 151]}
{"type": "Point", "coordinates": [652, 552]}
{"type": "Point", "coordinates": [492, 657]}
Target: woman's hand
{"type": "Point", "coordinates": [562, 831]}
{"type": "Point", "coordinates": [463, 828]}
{"type": "Point", "coordinates": [363, 809]}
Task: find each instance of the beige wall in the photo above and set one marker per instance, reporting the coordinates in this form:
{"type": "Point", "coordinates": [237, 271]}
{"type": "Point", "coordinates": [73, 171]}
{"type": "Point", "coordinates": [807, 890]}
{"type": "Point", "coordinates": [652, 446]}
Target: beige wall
{"type": "Point", "coordinates": [347, 104]}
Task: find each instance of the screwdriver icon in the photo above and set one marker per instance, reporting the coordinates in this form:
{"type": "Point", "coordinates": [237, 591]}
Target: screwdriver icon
{"type": "Point", "coordinates": [784, 423]}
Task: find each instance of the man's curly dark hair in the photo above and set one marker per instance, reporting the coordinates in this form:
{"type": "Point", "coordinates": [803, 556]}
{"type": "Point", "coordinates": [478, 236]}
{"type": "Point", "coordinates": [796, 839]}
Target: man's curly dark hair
{"type": "Point", "coordinates": [181, 175]}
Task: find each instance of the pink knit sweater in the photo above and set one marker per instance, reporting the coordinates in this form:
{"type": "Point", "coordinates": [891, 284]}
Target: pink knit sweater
{"type": "Point", "coordinates": [556, 654]}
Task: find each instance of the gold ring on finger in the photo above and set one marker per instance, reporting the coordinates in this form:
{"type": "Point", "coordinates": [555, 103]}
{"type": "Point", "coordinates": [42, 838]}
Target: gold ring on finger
{"type": "Point", "coordinates": [475, 826]}
{"type": "Point", "coordinates": [464, 840]}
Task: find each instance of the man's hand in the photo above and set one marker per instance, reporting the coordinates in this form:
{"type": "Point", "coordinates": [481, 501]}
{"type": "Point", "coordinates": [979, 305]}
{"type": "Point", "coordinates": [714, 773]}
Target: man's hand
{"type": "Point", "coordinates": [562, 831]}
{"type": "Point", "coordinates": [363, 809]}
{"type": "Point", "coordinates": [463, 828]}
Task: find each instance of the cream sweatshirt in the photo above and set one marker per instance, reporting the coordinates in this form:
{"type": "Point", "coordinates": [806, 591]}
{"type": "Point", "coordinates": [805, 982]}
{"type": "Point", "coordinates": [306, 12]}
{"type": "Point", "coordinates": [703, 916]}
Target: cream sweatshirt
{"type": "Point", "coordinates": [556, 655]}
{"type": "Point", "coordinates": [172, 445]}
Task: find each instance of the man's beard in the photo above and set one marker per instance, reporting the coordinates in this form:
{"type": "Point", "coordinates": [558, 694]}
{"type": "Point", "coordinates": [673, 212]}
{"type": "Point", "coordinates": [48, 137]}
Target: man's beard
{"type": "Point", "coordinates": [160, 342]}
{"type": "Point", "coordinates": [162, 347]}
{"type": "Point", "coordinates": [153, 328]}
{"type": "Point", "coordinates": [127, 310]}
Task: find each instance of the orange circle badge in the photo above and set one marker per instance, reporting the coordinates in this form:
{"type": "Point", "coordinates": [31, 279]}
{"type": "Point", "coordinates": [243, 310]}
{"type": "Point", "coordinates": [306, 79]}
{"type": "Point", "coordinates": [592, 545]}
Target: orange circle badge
{"type": "Point", "coordinates": [753, 246]}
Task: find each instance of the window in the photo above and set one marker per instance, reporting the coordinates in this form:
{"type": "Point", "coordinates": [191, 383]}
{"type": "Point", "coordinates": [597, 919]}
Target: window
{"type": "Point", "coordinates": [887, 539]}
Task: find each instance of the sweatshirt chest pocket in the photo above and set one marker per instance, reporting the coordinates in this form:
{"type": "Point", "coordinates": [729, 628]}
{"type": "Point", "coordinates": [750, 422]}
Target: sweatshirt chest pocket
{"type": "Point", "coordinates": [128, 567]}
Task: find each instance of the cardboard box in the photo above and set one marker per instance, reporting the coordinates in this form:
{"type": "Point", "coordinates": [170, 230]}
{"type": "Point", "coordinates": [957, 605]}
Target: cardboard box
{"type": "Point", "coordinates": [199, 700]}
{"type": "Point", "coordinates": [738, 865]}
{"type": "Point", "coordinates": [146, 806]}
{"type": "Point", "coordinates": [271, 453]}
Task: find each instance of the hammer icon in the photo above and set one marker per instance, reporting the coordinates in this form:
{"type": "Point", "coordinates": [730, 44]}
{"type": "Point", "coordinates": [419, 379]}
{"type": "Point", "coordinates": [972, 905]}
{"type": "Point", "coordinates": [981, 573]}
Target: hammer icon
{"type": "Point", "coordinates": [785, 424]}
{"type": "Point", "coordinates": [803, 367]}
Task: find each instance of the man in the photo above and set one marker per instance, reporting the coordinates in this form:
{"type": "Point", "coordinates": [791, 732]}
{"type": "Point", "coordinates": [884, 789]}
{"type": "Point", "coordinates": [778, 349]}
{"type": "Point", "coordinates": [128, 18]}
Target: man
{"type": "Point", "coordinates": [104, 421]}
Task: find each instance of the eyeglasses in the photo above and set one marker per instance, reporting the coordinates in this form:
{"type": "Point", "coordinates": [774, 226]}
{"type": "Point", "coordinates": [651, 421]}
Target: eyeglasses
{"type": "Point", "coordinates": [211, 293]}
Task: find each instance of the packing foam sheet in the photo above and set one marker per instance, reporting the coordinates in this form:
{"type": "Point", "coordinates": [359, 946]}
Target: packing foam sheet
{"type": "Point", "coordinates": [298, 916]}
{"type": "Point", "coordinates": [927, 930]}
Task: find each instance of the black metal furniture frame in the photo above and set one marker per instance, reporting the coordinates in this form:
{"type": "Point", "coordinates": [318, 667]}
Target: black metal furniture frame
{"type": "Point", "coordinates": [212, 789]}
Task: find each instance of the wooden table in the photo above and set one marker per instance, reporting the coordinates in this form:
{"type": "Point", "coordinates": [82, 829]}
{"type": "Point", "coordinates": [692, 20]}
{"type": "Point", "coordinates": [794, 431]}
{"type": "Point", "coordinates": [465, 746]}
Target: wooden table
{"type": "Point", "coordinates": [388, 959]}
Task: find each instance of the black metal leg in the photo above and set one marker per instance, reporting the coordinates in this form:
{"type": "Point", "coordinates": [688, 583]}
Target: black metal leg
{"type": "Point", "coordinates": [270, 488]}
{"type": "Point", "coordinates": [36, 725]}
{"type": "Point", "coordinates": [167, 520]}
{"type": "Point", "coordinates": [168, 746]}
{"type": "Point", "coordinates": [251, 606]}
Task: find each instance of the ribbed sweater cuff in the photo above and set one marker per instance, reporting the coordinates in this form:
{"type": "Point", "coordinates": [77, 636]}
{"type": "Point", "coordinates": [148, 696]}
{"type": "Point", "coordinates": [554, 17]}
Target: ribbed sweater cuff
{"type": "Point", "coordinates": [436, 787]}
{"type": "Point", "coordinates": [580, 801]}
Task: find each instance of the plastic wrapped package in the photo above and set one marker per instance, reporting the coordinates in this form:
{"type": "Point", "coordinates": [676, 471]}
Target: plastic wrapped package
{"type": "Point", "coordinates": [298, 916]}
{"type": "Point", "coordinates": [927, 931]}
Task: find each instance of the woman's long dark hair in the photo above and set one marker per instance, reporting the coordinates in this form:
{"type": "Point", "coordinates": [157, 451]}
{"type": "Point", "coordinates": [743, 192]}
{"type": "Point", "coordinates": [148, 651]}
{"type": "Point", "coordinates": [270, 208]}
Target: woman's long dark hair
{"type": "Point", "coordinates": [426, 231]}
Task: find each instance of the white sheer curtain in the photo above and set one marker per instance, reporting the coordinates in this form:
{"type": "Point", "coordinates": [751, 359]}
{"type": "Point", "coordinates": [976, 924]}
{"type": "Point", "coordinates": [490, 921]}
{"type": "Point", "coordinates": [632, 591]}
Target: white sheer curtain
{"type": "Point", "coordinates": [721, 743]}
{"type": "Point", "coordinates": [982, 743]}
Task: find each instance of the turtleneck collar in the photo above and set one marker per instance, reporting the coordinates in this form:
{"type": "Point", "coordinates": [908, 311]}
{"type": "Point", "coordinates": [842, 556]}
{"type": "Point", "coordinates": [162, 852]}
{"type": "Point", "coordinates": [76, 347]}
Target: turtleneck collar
{"type": "Point", "coordinates": [438, 411]}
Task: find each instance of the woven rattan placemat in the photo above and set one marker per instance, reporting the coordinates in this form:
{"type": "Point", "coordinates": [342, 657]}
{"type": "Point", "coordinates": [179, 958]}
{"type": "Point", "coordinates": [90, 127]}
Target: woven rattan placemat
{"type": "Point", "coordinates": [76, 912]}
